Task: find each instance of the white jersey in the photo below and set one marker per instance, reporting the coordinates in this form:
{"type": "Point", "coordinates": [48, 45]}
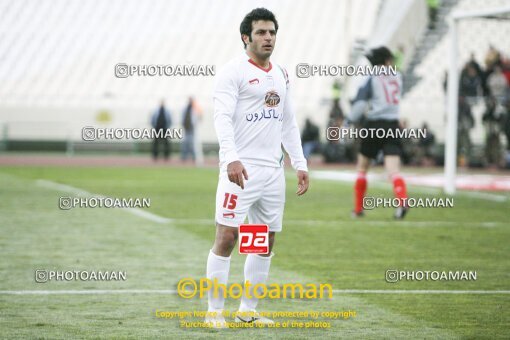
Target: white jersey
{"type": "Point", "coordinates": [253, 116]}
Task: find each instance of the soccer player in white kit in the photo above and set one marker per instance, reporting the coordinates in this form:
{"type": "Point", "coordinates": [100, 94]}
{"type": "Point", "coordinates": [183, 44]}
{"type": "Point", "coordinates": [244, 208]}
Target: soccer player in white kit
{"type": "Point", "coordinates": [253, 118]}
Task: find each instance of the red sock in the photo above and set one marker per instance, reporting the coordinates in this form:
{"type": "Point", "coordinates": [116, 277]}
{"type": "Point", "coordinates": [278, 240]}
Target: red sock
{"type": "Point", "coordinates": [399, 188]}
{"type": "Point", "coordinates": [360, 187]}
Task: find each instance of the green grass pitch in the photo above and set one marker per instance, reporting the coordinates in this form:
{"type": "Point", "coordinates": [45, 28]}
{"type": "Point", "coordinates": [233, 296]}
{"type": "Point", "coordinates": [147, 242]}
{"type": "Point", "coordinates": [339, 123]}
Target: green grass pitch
{"type": "Point", "coordinates": [320, 243]}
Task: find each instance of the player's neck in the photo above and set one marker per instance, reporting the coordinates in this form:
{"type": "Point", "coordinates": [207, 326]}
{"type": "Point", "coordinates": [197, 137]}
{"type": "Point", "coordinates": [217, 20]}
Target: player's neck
{"type": "Point", "coordinates": [263, 63]}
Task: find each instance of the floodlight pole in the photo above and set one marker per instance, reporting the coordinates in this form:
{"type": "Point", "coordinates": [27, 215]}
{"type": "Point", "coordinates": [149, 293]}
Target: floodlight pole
{"type": "Point", "coordinates": [450, 164]}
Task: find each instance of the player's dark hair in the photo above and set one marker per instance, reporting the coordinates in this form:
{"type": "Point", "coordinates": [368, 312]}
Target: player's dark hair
{"type": "Point", "coordinates": [379, 56]}
{"type": "Point", "coordinates": [256, 15]}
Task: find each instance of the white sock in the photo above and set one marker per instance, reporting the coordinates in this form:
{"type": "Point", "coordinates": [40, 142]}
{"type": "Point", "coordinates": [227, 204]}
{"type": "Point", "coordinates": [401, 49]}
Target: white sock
{"type": "Point", "coordinates": [256, 270]}
{"type": "Point", "coordinates": [217, 268]}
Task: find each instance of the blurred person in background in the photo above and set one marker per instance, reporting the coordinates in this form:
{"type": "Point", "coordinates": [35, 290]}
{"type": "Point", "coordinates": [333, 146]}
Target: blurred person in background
{"type": "Point", "coordinates": [470, 81]}
{"type": "Point", "coordinates": [472, 62]}
{"type": "Point", "coordinates": [161, 121]}
{"type": "Point", "coordinates": [493, 121]}
{"type": "Point", "coordinates": [506, 130]}
{"type": "Point", "coordinates": [336, 111]}
{"type": "Point", "coordinates": [466, 122]}
{"type": "Point", "coordinates": [189, 121]}
{"type": "Point", "coordinates": [408, 150]}
{"type": "Point", "coordinates": [492, 58]}
{"type": "Point", "coordinates": [310, 138]}
{"type": "Point", "coordinates": [334, 150]}
{"type": "Point", "coordinates": [497, 83]}
{"type": "Point", "coordinates": [505, 66]}
{"type": "Point", "coordinates": [479, 71]}
{"type": "Point", "coordinates": [380, 96]}
{"type": "Point", "coordinates": [426, 144]}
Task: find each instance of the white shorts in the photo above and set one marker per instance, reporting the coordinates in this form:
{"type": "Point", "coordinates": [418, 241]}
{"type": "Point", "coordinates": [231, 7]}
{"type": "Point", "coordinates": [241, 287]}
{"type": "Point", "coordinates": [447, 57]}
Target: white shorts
{"type": "Point", "coordinates": [262, 199]}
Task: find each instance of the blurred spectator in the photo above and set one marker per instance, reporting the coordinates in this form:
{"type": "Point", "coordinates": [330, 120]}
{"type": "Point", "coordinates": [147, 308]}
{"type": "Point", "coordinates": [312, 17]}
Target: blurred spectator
{"type": "Point", "coordinates": [433, 6]}
{"type": "Point", "coordinates": [506, 69]}
{"type": "Point", "coordinates": [465, 123]}
{"type": "Point", "coordinates": [472, 62]}
{"type": "Point", "coordinates": [492, 120]}
{"type": "Point", "coordinates": [480, 72]}
{"type": "Point", "coordinates": [408, 148]}
{"type": "Point", "coordinates": [199, 153]}
{"type": "Point", "coordinates": [310, 138]}
{"type": "Point", "coordinates": [491, 58]}
{"type": "Point", "coordinates": [470, 81]}
{"type": "Point", "coordinates": [445, 82]}
{"type": "Point", "coordinates": [188, 122]}
{"type": "Point", "coordinates": [426, 144]}
{"type": "Point", "coordinates": [336, 111]}
{"type": "Point", "coordinates": [493, 83]}
{"type": "Point", "coordinates": [334, 151]}
{"type": "Point", "coordinates": [497, 83]}
{"type": "Point", "coordinates": [161, 121]}
{"type": "Point", "coordinates": [506, 130]}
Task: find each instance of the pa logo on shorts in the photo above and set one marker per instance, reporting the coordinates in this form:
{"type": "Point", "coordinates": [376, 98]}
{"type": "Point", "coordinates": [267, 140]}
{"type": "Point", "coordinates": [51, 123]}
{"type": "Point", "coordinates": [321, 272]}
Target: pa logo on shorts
{"type": "Point", "coordinates": [253, 239]}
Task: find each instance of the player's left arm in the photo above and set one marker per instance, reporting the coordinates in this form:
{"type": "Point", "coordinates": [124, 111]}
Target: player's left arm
{"type": "Point", "coordinates": [360, 103]}
{"type": "Point", "coordinates": [291, 141]}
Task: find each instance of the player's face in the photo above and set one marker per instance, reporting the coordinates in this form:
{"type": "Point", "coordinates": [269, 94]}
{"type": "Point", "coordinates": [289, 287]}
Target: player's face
{"type": "Point", "coordinates": [263, 38]}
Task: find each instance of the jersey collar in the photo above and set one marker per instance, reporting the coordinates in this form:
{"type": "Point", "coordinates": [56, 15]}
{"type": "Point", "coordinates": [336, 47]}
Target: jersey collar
{"type": "Point", "coordinates": [263, 69]}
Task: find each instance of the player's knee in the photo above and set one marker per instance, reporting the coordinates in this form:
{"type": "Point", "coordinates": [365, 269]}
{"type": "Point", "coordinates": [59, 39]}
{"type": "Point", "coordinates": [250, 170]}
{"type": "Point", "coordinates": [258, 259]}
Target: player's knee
{"type": "Point", "coordinates": [226, 239]}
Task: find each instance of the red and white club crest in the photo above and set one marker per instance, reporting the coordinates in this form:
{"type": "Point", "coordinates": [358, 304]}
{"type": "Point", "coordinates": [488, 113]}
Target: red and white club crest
{"type": "Point", "coordinates": [272, 99]}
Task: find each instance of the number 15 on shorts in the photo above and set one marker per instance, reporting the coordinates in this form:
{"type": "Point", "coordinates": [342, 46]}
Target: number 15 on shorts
{"type": "Point", "coordinates": [253, 239]}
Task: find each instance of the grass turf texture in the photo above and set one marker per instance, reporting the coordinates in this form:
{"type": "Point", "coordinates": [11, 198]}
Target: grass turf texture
{"type": "Point", "coordinates": [319, 244]}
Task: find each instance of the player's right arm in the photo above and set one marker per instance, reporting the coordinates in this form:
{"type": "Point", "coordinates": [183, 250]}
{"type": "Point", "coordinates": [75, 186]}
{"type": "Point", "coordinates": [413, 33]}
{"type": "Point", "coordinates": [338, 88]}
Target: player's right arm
{"type": "Point", "coordinates": [226, 94]}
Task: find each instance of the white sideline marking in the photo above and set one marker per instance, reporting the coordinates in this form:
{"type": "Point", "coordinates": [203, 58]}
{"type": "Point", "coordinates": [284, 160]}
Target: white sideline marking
{"type": "Point", "coordinates": [172, 292]}
{"type": "Point", "coordinates": [149, 216]}
{"type": "Point", "coordinates": [164, 220]}
{"type": "Point", "coordinates": [61, 187]}
{"type": "Point", "coordinates": [76, 191]}
{"type": "Point", "coordinates": [322, 223]}
{"type": "Point", "coordinates": [407, 224]}
{"type": "Point", "coordinates": [349, 176]}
